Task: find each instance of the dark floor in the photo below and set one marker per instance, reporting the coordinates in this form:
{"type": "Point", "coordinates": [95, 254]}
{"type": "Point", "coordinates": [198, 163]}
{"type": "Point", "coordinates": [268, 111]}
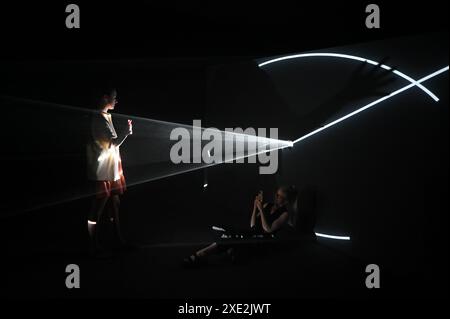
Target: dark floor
{"type": "Point", "coordinates": [40, 244]}
{"type": "Point", "coordinates": [155, 272]}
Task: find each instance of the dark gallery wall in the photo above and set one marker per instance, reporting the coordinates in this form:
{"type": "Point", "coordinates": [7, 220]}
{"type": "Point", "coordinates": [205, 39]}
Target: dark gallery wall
{"type": "Point", "coordinates": [45, 136]}
{"type": "Point", "coordinates": [379, 177]}
{"type": "Point", "coordinates": [43, 154]}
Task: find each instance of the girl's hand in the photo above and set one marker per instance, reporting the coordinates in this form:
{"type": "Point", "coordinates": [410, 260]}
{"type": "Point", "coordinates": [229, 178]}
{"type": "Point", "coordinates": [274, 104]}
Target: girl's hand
{"type": "Point", "coordinates": [130, 127]}
{"type": "Point", "coordinates": [258, 204]}
{"type": "Point", "coordinates": [255, 201]}
{"type": "Point", "coordinates": [260, 196]}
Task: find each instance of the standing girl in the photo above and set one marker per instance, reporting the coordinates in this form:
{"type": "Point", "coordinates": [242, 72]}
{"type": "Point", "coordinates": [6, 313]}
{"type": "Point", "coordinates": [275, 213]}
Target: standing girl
{"type": "Point", "coordinates": [105, 168]}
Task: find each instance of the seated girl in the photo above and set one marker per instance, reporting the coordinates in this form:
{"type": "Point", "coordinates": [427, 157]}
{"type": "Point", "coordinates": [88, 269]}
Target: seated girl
{"type": "Point", "coordinates": [266, 220]}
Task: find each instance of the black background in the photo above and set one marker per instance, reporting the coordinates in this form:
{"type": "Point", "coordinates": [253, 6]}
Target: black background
{"type": "Point", "coordinates": [253, 28]}
{"type": "Point", "coordinates": [161, 57]}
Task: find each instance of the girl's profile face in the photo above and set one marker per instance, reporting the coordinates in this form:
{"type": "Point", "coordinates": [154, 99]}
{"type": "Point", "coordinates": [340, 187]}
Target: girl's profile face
{"type": "Point", "coordinates": [112, 104]}
{"type": "Point", "coordinates": [280, 197]}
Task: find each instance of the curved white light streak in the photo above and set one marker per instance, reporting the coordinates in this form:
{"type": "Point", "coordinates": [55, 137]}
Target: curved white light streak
{"type": "Point", "coordinates": [352, 57]}
{"type": "Point", "coordinates": [442, 70]}
{"type": "Point", "coordinates": [333, 236]}
{"type": "Point", "coordinates": [412, 84]}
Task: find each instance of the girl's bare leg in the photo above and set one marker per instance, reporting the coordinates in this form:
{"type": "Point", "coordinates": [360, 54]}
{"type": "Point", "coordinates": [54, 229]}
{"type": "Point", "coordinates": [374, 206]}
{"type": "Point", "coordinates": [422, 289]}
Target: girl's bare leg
{"type": "Point", "coordinates": [211, 249]}
{"type": "Point", "coordinates": [200, 255]}
{"type": "Point", "coordinates": [115, 205]}
{"type": "Point", "coordinates": [98, 206]}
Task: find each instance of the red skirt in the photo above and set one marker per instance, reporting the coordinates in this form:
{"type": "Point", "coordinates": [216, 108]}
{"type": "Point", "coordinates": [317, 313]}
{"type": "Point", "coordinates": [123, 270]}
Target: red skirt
{"type": "Point", "coordinates": [104, 189]}
{"type": "Point", "coordinates": [108, 188]}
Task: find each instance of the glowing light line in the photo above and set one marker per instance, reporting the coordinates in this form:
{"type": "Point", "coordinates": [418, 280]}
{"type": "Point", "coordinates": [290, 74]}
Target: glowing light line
{"type": "Point", "coordinates": [202, 166]}
{"type": "Point", "coordinates": [317, 234]}
{"type": "Point", "coordinates": [356, 58]}
{"type": "Point", "coordinates": [333, 236]}
{"type": "Point", "coordinates": [442, 70]}
{"type": "Point", "coordinates": [285, 143]}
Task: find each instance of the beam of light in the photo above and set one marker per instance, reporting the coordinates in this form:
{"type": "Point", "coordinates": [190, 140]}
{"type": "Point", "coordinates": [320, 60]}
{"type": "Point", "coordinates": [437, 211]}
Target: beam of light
{"type": "Point", "coordinates": [403, 89]}
{"type": "Point", "coordinates": [332, 236]}
{"type": "Point", "coordinates": [248, 137]}
{"type": "Point", "coordinates": [356, 58]}
{"type": "Point", "coordinates": [285, 144]}
{"type": "Point", "coordinates": [129, 184]}
{"type": "Point", "coordinates": [156, 166]}
{"type": "Point", "coordinates": [90, 222]}
{"type": "Point", "coordinates": [90, 111]}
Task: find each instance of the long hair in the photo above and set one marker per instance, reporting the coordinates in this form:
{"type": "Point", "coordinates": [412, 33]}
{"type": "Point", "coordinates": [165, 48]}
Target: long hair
{"type": "Point", "coordinates": [104, 97]}
{"type": "Point", "coordinates": [292, 203]}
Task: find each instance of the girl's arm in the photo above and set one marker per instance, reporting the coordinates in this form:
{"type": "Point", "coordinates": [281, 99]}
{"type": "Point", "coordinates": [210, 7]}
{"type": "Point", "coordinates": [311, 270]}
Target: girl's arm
{"type": "Point", "coordinates": [277, 224]}
{"type": "Point", "coordinates": [117, 142]}
{"type": "Point", "coordinates": [258, 209]}
{"type": "Point", "coordinates": [256, 204]}
{"type": "Point", "coordinates": [253, 218]}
